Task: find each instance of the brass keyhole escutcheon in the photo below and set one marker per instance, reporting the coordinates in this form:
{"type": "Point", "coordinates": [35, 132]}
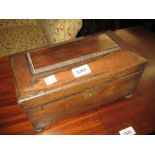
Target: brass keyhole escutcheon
{"type": "Point", "coordinates": [89, 95]}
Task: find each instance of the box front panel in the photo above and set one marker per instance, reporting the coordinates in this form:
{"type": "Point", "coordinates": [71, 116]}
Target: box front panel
{"type": "Point", "coordinates": [84, 101]}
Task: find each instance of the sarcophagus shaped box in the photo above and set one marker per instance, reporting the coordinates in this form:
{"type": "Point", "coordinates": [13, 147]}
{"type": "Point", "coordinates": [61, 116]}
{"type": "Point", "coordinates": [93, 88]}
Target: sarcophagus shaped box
{"type": "Point", "coordinates": [55, 83]}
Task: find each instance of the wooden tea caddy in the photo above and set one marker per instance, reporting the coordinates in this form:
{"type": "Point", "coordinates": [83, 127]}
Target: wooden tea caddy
{"type": "Point", "coordinates": [114, 73]}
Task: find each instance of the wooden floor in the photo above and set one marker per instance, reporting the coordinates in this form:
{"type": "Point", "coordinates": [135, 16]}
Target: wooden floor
{"type": "Point", "coordinates": [139, 112]}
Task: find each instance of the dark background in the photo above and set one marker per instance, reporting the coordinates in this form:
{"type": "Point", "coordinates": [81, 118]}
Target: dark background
{"type": "Point", "coordinates": [91, 26]}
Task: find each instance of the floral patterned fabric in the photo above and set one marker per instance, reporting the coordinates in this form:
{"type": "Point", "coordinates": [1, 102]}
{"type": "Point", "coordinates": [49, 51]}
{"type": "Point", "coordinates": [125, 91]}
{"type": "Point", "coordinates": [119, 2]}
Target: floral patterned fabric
{"type": "Point", "coordinates": [61, 30]}
{"type": "Point", "coordinates": [19, 35]}
{"type": "Point", "coordinates": [6, 23]}
{"type": "Point", "coordinates": [19, 39]}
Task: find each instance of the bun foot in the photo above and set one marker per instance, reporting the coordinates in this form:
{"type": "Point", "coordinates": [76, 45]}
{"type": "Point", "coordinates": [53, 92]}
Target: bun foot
{"type": "Point", "coordinates": [128, 96]}
{"type": "Point", "coordinates": [38, 129]}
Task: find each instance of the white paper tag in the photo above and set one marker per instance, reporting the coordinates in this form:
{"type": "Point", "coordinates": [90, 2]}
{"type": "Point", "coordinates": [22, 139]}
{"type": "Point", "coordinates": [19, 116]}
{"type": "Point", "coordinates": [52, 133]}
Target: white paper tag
{"type": "Point", "coordinates": [127, 131]}
{"type": "Point", "coordinates": [80, 71]}
{"type": "Point", "coordinates": [50, 79]}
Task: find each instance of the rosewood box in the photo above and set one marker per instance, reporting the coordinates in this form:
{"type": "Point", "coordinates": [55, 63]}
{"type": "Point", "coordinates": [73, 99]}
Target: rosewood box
{"type": "Point", "coordinates": [58, 82]}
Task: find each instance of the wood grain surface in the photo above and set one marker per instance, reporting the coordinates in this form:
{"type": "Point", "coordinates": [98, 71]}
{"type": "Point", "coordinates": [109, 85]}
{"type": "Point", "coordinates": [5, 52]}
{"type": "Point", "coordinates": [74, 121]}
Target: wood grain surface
{"type": "Point", "coordinates": [138, 112]}
{"type": "Point", "coordinates": [67, 51]}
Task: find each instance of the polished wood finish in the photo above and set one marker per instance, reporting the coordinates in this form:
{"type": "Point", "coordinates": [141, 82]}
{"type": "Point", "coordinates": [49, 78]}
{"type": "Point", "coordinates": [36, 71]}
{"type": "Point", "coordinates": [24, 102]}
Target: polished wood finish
{"type": "Point", "coordinates": [71, 50]}
{"type": "Point", "coordinates": [82, 102]}
{"type": "Point", "coordinates": [13, 120]}
{"type": "Point", "coordinates": [33, 92]}
{"type": "Point", "coordinates": [113, 76]}
{"type": "Point", "coordinates": [139, 112]}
